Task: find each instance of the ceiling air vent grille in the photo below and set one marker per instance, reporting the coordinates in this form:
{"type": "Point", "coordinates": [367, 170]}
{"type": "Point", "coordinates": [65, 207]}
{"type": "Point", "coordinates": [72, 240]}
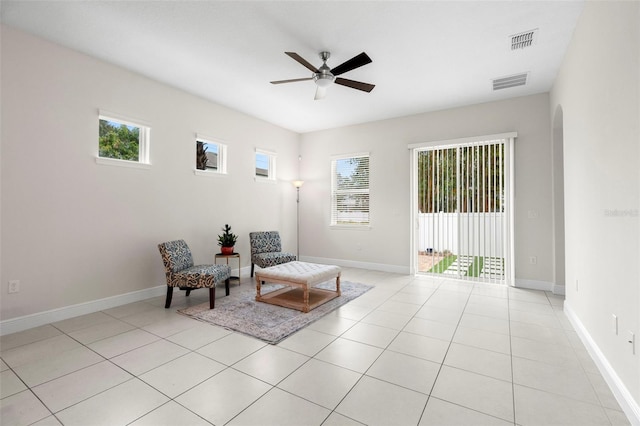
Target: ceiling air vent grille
{"type": "Point", "coordinates": [523, 40]}
{"type": "Point", "coordinates": [511, 81]}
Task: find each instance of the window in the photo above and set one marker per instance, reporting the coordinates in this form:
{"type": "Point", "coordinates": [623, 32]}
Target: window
{"type": "Point", "coordinates": [211, 156]}
{"type": "Point", "coordinates": [265, 165]}
{"type": "Point", "coordinates": [350, 190]}
{"type": "Point", "coordinates": [122, 140]}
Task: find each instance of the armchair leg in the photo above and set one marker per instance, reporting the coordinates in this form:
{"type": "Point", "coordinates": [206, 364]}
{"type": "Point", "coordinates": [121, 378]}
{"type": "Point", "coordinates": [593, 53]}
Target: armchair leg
{"type": "Point", "coordinates": [212, 297]}
{"type": "Point", "coordinates": [226, 286]}
{"type": "Point", "coordinates": [188, 292]}
{"type": "Point", "coordinates": [169, 297]}
{"type": "Point", "coordinates": [252, 265]}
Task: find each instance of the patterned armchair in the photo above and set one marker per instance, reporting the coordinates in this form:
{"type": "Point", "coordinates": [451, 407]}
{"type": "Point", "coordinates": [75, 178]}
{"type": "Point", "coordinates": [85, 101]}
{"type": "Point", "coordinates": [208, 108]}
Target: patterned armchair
{"type": "Point", "coordinates": [181, 272]}
{"type": "Point", "coordinates": [266, 250]}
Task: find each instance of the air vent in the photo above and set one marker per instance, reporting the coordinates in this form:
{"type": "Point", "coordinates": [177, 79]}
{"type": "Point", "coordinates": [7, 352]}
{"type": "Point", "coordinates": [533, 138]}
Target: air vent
{"type": "Point", "coordinates": [511, 81]}
{"type": "Point", "coordinates": [523, 40]}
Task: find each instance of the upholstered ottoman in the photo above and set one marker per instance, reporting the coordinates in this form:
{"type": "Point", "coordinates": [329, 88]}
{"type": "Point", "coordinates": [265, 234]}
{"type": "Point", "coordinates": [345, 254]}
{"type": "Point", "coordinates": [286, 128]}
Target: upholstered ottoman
{"type": "Point", "coordinates": [299, 277]}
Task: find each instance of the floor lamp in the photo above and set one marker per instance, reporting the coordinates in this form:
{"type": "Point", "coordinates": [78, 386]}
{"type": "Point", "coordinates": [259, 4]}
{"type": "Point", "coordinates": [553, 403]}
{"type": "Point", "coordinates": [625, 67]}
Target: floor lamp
{"type": "Point", "coordinates": [298, 184]}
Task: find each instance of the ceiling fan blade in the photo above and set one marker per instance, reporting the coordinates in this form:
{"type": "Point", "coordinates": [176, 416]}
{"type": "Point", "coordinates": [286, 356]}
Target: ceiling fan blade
{"type": "Point", "coordinates": [302, 61]}
{"type": "Point", "coordinates": [353, 63]}
{"type": "Point", "coordinates": [321, 92]}
{"type": "Point", "coordinates": [292, 80]}
{"type": "Point", "coordinates": [365, 87]}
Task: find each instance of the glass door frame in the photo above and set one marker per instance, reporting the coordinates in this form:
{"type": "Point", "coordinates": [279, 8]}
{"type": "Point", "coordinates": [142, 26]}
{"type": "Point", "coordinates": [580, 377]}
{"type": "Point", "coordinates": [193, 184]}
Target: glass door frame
{"type": "Point", "coordinates": [509, 189]}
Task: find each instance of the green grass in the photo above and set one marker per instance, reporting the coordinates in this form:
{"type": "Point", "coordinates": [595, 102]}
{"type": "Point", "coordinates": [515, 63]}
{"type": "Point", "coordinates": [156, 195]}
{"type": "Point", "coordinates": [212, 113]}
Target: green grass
{"type": "Point", "coordinates": [476, 267]}
{"type": "Point", "coordinates": [442, 266]}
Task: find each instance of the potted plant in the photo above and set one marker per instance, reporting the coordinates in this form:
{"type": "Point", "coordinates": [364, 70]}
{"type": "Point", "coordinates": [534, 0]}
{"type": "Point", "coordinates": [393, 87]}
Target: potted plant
{"type": "Point", "coordinates": [227, 240]}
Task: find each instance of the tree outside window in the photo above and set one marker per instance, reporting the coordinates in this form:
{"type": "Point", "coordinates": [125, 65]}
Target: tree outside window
{"type": "Point", "coordinates": [119, 141]}
{"type": "Point", "coordinates": [122, 140]}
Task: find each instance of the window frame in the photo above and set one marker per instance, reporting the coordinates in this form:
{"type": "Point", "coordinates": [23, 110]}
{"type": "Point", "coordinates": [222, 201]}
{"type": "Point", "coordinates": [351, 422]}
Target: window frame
{"type": "Point", "coordinates": [144, 138]}
{"type": "Point", "coordinates": [222, 156]}
{"type": "Point", "coordinates": [333, 224]}
{"type": "Point", "coordinates": [271, 171]}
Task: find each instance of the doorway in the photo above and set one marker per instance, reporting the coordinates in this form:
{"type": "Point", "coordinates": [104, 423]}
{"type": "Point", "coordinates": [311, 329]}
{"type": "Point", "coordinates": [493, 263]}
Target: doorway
{"type": "Point", "coordinates": [462, 208]}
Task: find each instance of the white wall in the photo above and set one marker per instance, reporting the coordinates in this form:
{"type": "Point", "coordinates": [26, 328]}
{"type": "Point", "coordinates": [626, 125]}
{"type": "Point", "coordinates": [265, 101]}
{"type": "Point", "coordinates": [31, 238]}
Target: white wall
{"type": "Point", "coordinates": [74, 231]}
{"type": "Point", "coordinates": [599, 91]}
{"type": "Point", "coordinates": [386, 245]}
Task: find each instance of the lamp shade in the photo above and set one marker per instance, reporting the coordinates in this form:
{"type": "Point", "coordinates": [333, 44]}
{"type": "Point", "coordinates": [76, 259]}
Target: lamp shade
{"type": "Point", "coordinates": [298, 183]}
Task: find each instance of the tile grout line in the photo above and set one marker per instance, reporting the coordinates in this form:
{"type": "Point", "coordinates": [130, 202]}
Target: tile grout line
{"type": "Point", "coordinates": [448, 348]}
{"type": "Point", "coordinates": [377, 358]}
{"type": "Point", "coordinates": [331, 411]}
{"type": "Point", "coordinates": [133, 376]}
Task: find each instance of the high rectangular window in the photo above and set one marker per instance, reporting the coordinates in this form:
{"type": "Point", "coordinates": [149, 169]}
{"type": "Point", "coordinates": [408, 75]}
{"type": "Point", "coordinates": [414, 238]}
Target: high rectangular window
{"type": "Point", "coordinates": [350, 190]}
{"type": "Point", "coordinates": [211, 155]}
{"type": "Point", "coordinates": [121, 139]}
{"type": "Point", "coordinates": [265, 165]}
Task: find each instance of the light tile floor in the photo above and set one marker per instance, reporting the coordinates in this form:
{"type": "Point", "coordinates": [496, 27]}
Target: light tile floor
{"type": "Point", "coordinates": [412, 351]}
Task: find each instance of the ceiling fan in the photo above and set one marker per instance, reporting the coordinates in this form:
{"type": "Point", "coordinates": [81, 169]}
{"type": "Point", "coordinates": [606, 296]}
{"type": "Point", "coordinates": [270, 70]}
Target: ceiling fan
{"type": "Point", "coordinates": [325, 76]}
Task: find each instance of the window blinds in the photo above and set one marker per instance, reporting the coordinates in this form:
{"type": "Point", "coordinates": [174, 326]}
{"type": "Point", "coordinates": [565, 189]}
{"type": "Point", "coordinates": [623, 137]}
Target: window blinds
{"type": "Point", "coordinates": [461, 203]}
{"type": "Point", "coordinates": [350, 190]}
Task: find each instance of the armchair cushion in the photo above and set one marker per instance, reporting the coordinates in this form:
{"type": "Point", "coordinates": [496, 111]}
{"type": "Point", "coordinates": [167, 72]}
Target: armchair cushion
{"type": "Point", "coordinates": [264, 260]}
{"type": "Point", "coordinates": [200, 276]}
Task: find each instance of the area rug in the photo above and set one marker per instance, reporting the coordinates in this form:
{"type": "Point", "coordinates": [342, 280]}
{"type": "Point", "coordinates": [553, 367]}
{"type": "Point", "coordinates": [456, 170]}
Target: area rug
{"type": "Point", "coordinates": [240, 312]}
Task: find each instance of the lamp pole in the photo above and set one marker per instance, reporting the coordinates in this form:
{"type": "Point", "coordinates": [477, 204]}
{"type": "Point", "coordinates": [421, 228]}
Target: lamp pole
{"type": "Point", "coordinates": [298, 184]}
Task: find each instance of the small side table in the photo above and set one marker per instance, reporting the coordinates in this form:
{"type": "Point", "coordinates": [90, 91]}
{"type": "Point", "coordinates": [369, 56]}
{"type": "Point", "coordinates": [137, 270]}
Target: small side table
{"type": "Point", "coordinates": [227, 257]}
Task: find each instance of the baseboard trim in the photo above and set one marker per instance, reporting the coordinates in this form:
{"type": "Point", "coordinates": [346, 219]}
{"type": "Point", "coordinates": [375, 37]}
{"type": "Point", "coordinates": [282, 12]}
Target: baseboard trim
{"type": "Point", "coordinates": [396, 269]}
{"type": "Point", "coordinates": [534, 285]}
{"type": "Point", "coordinates": [26, 322]}
{"type": "Point", "coordinates": [620, 391]}
{"type": "Point", "coordinates": [559, 289]}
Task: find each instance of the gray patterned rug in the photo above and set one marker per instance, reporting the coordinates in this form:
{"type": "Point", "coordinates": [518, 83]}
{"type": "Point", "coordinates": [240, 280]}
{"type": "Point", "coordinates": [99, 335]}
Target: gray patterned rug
{"type": "Point", "coordinates": [240, 312]}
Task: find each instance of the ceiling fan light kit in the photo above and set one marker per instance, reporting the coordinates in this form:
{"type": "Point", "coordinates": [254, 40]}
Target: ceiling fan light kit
{"type": "Point", "coordinates": [324, 76]}
{"type": "Point", "coordinates": [323, 80]}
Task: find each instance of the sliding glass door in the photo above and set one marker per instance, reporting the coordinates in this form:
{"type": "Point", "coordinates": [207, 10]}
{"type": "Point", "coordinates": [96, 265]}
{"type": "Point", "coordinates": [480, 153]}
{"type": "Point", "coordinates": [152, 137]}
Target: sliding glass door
{"type": "Point", "coordinates": [462, 209]}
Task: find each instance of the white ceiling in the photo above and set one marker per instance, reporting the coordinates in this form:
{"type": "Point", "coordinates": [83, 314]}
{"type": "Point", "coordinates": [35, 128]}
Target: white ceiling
{"type": "Point", "coordinates": [427, 55]}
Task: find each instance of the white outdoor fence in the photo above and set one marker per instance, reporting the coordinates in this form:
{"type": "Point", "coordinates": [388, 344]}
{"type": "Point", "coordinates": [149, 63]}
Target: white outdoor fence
{"type": "Point", "coordinates": [475, 234]}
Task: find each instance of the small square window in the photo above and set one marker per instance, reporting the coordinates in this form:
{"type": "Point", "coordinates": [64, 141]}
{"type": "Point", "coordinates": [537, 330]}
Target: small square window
{"type": "Point", "coordinates": [124, 140]}
{"type": "Point", "coordinates": [210, 155]}
{"type": "Point", "coordinates": [265, 165]}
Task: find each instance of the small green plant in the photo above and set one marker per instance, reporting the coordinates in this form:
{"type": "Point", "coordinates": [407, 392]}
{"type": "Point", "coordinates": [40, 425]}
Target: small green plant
{"type": "Point", "coordinates": [227, 239]}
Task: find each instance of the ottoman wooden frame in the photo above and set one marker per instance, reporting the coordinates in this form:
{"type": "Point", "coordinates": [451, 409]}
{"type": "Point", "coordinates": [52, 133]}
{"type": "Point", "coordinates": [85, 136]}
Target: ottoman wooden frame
{"type": "Point", "coordinates": [298, 277]}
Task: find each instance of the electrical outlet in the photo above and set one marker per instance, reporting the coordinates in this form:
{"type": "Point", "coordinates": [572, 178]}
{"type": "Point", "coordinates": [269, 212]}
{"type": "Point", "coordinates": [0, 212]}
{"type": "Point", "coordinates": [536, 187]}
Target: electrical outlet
{"type": "Point", "coordinates": [614, 324]}
{"type": "Point", "coordinates": [14, 286]}
{"type": "Point", "coordinates": [533, 260]}
{"type": "Point", "coordinates": [632, 340]}
{"type": "Point", "coordinates": [532, 214]}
